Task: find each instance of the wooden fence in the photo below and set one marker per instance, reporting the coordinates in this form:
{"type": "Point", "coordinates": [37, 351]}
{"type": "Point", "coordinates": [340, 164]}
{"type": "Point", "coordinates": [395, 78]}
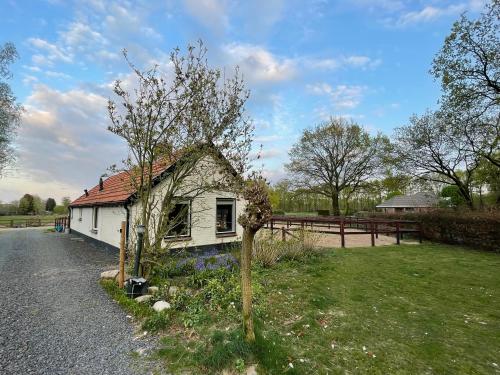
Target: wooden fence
{"type": "Point", "coordinates": [345, 226]}
{"type": "Point", "coordinates": [61, 223]}
{"type": "Point", "coordinates": [29, 222]}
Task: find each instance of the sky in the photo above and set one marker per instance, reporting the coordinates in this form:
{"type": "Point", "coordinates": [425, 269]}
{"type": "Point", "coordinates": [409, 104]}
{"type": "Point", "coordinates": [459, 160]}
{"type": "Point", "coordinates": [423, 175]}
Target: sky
{"type": "Point", "coordinates": [303, 62]}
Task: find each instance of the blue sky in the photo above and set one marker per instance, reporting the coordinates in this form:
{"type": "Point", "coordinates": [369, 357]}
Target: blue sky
{"type": "Point", "coordinates": [302, 60]}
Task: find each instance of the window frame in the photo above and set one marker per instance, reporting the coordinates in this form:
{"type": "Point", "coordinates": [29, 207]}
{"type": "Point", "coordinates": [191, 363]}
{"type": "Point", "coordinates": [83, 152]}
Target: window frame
{"type": "Point", "coordinates": [226, 201]}
{"type": "Point", "coordinates": [188, 202]}
{"type": "Point", "coordinates": [95, 218]}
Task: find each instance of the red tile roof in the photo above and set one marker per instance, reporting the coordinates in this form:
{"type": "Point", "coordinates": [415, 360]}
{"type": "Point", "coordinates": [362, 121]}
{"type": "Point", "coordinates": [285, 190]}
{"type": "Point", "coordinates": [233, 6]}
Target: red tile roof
{"type": "Point", "coordinates": [117, 189]}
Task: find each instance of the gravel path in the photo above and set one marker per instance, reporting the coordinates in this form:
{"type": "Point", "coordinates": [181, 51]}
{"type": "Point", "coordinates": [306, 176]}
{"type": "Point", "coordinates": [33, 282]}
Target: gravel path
{"type": "Point", "coordinates": [54, 316]}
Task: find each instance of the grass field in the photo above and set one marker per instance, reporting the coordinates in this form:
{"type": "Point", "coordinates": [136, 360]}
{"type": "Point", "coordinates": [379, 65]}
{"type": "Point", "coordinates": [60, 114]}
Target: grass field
{"type": "Point", "coordinates": [21, 219]}
{"type": "Point", "coordinates": [430, 309]}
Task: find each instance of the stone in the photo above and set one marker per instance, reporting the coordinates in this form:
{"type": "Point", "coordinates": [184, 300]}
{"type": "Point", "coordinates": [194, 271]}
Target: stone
{"type": "Point", "coordinates": [251, 370]}
{"type": "Point", "coordinates": [161, 305]}
{"type": "Point", "coordinates": [173, 290]}
{"type": "Point", "coordinates": [153, 289]}
{"type": "Point", "coordinates": [144, 298]}
{"type": "Point", "coordinates": [111, 274]}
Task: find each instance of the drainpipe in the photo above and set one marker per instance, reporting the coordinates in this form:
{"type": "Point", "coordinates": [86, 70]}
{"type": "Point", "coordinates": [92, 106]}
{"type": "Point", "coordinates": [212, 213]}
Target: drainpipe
{"type": "Point", "coordinates": [140, 229]}
{"type": "Point", "coordinates": [127, 219]}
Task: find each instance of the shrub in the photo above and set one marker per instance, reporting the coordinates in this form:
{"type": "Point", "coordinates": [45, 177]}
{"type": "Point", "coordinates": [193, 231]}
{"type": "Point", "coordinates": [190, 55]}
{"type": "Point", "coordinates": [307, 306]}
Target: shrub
{"type": "Point", "coordinates": [478, 229]}
{"type": "Point", "coordinates": [157, 321]}
{"type": "Point", "coordinates": [279, 212]}
{"type": "Point", "coordinates": [323, 212]}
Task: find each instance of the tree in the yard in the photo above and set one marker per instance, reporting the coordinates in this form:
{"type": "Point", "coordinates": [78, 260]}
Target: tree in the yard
{"type": "Point", "coordinates": [50, 204]}
{"type": "Point", "coordinates": [27, 204]}
{"type": "Point", "coordinates": [334, 158]}
{"type": "Point", "coordinates": [427, 148]}
{"type": "Point", "coordinates": [468, 66]}
{"type": "Point", "coordinates": [257, 212]}
{"type": "Point", "coordinates": [189, 114]}
{"type": "Point", "coordinates": [10, 110]}
{"type": "Point", "coordinates": [65, 202]}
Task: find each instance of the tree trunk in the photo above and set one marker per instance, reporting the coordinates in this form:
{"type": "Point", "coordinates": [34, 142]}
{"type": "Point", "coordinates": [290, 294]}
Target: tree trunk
{"type": "Point", "coordinates": [335, 204]}
{"type": "Point", "coordinates": [246, 282]}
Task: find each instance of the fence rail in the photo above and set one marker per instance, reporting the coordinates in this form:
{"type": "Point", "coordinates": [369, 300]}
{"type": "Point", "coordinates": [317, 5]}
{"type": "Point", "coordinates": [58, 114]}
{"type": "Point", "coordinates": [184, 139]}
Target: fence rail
{"type": "Point", "coordinates": [345, 226]}
{"type": "Point", "coordinates": [27, 222]}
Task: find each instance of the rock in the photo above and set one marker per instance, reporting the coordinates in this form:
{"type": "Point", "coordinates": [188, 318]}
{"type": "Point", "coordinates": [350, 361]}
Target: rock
{"type": "Point", "coordinates": [161, 305]}
{"type": "Point", "coordinates": [112, 274]}
{"type": "Point", "coordinates": [153, 289]}
{"type": "Point", "coordinates": [144, 298]}
{"type": "Point", "coordinates": [251, 370]}
{"type": "Point", "coordinates": [172, 291]}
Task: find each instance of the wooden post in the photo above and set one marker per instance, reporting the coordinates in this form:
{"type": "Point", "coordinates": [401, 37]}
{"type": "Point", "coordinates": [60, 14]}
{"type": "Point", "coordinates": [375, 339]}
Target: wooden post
{"type": "Point", "coordinates": [372, 230]}
{"type": "Point", "coordinates": [342, 236]}
{"type": "Point", "coordinates": [420, 232]}
{"type": "Point", "coordinates": [121, 275]}
{"type": "Point", "coordinates": [12, 223]}
{"type": "Point", "coordinates": [376, 230]}
{"type": "Point", "coordinates": [272, 228]}
{"type": "Point", "coordinates": [283, 234]}
{"type": "Point", "coordinates": [398, 241]}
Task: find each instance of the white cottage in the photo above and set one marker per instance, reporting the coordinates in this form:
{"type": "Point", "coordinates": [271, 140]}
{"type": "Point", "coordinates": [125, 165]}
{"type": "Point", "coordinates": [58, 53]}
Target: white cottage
{"type": "Point", "coordinates": [209, 219]}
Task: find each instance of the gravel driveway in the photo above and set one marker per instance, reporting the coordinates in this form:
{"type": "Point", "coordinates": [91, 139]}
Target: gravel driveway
{"type": "Point", "coordinates": [54, 316]}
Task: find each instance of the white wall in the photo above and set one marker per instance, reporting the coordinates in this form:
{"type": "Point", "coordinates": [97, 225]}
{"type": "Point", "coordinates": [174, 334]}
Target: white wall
{"type": "Point", "coordinates": [108, 223]}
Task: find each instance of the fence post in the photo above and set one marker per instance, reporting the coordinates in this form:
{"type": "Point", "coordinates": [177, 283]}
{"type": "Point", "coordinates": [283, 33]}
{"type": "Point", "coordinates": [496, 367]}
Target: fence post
{"type": "Point", "coordinates": [12, 223]}
{"type": "Point", "coordinates": [121, 275]}
{"type": "Point", "coordinates": [420, 232]}
{"type": "Point", "coordinates": [342, 236]}
{"type": "Point", "coordinates": [272, 227]}
{"type": "Point", "coordinates": [372, 234]}
{"type": "Point", "coordinates": [376, 230]}
{"type": "Point", "coordinates": [283, 234]}
{"type": "Point", "coordinates": [398, 241]}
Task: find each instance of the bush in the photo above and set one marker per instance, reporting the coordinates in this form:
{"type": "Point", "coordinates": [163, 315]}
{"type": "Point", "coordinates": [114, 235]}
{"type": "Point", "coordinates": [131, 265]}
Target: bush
{"type": "Point", "coordinates": [478, 229]}
{"type": "Point", "coordinates": [279, 212]}
{"type": "Point", "coordinates": [323, 212]}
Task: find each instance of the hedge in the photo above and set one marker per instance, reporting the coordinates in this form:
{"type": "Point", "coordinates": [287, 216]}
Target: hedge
{"type": "Point", "coordinates": [477, 229]}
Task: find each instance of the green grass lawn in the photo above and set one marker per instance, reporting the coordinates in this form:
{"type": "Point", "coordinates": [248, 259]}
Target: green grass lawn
{"type": "Point", "coordinates": [409, 309]}
{"type": "Point", "coordinates": [21, 219]}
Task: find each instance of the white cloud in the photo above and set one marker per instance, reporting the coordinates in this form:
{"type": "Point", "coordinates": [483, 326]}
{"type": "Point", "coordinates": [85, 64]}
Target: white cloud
{"type": "Point", "coordinates": [53, 52]}
{"type": "Point", "coordinates": [429, 13]}
{"type": "Point", "coordinates": [210, 13]}
{"type": "Point", "coordinates": [341, 96]}
{"type": "Point", "coordinates": [258, 64]}
{"type": "Point", "coordinates": [352, 61]}
{"type": "Point", "coordinates": [80, 36]}
{"type": "Point", "coordinates": [64, 139]}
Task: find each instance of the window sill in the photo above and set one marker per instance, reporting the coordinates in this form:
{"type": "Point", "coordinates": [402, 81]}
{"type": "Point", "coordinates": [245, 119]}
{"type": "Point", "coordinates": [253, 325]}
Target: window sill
{"type": "Point", "coordinates": [225, 234]}
{"type": "Point", "coordinates": [178, 239]}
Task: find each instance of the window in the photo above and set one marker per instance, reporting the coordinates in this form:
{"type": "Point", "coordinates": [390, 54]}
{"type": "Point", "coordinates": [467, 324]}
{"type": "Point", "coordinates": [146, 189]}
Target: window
{"type": "Point", "coordinates": [95, 218]}
{"type": "Point", "coordinates": [226, 216]}
{"type": "Point", "coordinates": [179, 220]}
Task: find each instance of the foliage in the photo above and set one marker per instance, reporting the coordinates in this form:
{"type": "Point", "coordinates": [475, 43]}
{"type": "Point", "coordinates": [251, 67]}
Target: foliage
{"type": "Point", "coordinates": [10, 110]}
{"type": "Point", "coordinates": [27, 204]}
{"type": "Point", "coordinates": [335, 157]}
{"type": "Point", "coordinates": [50, 204]}
{"type": "Point", "coordinates": [452, 196]}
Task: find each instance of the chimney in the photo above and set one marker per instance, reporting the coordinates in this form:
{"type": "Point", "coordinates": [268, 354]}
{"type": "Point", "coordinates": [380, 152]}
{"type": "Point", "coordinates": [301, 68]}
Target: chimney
{"type": "Point", "coordinates": [86, 192]}
{"type": "Point", "coordinates": [101, 185]}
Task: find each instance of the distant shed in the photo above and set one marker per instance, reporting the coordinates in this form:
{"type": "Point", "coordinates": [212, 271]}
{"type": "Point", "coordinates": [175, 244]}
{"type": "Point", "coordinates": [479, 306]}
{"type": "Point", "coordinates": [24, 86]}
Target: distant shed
{"type": "Point", "coordinates": [418, 202]}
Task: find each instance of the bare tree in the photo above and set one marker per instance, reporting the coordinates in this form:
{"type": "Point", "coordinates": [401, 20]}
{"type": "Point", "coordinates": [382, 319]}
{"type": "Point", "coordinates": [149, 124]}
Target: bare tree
{"type": "Point", "coordinates": [10, 110]}
{"type": "Point", "coordinates": [427, 148]}
{"type": "Point", "coordinates": [335, 157]}
{"type": "Point", "coordinates": [257, 212]}
{"type": "Point", "coordinates": [192, 116]}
